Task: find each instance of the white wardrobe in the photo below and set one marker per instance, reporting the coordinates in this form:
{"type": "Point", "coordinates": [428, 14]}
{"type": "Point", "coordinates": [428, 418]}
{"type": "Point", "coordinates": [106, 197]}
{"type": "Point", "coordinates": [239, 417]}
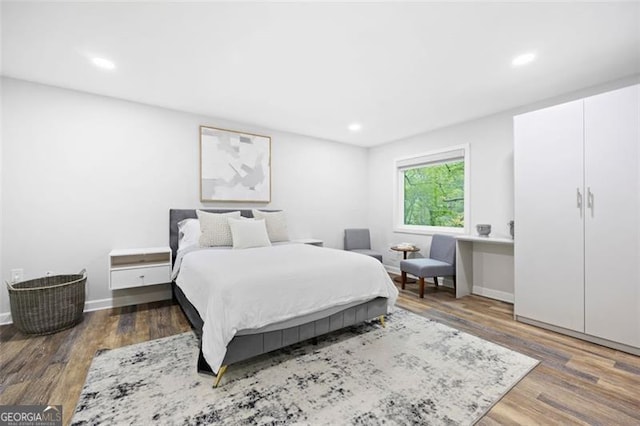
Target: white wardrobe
{"type": "Point", "coordinates": [577, 218]}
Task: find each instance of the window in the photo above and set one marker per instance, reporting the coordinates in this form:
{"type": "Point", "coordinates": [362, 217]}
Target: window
{"type": "Point", "coordinates": [432, 192]}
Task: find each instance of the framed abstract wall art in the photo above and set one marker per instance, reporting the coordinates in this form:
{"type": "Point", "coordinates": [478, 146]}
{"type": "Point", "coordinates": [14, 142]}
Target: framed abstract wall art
{"type": "Point", "coordinates": [234, 166]}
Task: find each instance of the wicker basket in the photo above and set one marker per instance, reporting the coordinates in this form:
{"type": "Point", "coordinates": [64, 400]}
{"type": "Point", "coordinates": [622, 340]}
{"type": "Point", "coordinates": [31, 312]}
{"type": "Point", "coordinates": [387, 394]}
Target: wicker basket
{"type": "Point", "coordinates": [49, 304]}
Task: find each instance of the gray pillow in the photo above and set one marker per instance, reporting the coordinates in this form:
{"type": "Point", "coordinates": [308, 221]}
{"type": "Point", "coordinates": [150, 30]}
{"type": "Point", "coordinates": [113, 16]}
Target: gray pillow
{"type": "Point", "coordinates": [214, 228]}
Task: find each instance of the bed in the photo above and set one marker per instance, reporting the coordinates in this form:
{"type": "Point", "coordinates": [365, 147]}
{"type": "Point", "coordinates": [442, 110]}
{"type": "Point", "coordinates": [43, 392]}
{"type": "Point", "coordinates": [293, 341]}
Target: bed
{"type": "Point", "coordinates": [201, 271]}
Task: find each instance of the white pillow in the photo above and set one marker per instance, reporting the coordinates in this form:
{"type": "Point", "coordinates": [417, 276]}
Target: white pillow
{"type": "Point", "coordinates": [276, 225]}
{"type": "Point", "coordinates": [249, 233]}
{"type": "Point", "coordinates": [189, 233]}
{"type": "Point", "coordinates": [214, 228]}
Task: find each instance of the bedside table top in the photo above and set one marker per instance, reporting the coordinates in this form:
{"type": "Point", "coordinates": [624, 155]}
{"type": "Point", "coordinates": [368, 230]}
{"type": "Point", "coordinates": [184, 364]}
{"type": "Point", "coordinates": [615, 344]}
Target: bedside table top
{"type": "Point", "coordinates": [145, 250]}
{"type": "Point", "coordinates": [308, 241]}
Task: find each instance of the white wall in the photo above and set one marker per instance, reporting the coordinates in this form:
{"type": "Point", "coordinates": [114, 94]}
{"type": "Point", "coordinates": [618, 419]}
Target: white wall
{"type": "Point", "coordinates": [82, 174]}
{"type": "Point", "coordinates": [491, 175]}
{"type": "Point", "coordinates": [491, 179]}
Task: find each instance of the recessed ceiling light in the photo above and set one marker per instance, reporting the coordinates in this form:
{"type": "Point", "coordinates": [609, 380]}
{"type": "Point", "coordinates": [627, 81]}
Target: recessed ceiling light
{"type": "Point", "coordinates": [103, 63]}
{"type": "Point", "coordinates": [355, 127]}
{"type": "Point", "coordinates": [523, 59]}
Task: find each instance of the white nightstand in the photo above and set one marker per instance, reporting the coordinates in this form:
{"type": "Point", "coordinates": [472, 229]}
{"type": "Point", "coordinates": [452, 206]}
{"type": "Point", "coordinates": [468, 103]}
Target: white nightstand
{"type": "Point", "coordinates": [139, 267]}
{"type": "Point", "coordinates": [310, 241]}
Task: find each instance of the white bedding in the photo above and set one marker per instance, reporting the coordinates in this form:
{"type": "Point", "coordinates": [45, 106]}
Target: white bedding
{"type": "Point", "coordinates": [244, 289]}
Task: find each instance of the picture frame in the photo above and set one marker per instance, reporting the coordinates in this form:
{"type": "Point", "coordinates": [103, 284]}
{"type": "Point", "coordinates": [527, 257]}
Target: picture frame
{"type": "Point", "coordinates": [235, 166]}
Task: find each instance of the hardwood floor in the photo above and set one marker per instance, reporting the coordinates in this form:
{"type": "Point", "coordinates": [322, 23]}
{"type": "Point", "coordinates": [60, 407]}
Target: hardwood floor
{"type": "Point", "coordinates": [52, 369]}
{"type": "Point", "coordinates": [576, 382]}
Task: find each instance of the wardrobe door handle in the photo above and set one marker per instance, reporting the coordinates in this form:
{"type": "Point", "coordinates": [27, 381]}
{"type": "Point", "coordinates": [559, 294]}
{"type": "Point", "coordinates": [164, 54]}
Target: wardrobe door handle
{"type": "Point", "coordinates": [590, 199]}
{"type": "Point", "coordinates": [579, 198]}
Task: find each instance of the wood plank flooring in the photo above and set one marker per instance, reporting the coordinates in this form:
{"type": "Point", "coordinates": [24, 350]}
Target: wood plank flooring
{"type": "Point", "coordinates": [576, 382]}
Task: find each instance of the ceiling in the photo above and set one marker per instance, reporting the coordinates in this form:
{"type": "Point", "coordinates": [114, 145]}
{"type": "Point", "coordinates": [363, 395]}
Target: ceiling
{"type": "Point", "coordinates": [398, 69]}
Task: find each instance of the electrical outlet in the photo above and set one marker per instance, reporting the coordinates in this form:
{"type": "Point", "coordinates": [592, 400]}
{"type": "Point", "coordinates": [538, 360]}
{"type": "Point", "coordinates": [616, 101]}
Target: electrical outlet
{"type": "Point", "coordinates": [17, 275]}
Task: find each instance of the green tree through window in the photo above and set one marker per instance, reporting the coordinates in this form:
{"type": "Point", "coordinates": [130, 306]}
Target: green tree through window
{"type": "Point", "coordinates": [434, 195]}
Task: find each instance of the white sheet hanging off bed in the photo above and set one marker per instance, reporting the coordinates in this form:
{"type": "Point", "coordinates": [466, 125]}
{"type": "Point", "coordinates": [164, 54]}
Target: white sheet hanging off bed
{"type": "Point", "coordinates": [245, 289]}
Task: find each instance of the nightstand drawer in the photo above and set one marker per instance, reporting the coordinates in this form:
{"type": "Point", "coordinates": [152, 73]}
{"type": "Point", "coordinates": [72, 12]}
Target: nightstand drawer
{"type": "Point", "coordinates": [136, 277]}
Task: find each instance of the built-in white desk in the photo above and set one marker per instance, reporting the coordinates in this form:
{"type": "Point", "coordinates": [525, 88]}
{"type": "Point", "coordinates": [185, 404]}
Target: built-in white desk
{"type": "Point", "coordinates": [484, 266]}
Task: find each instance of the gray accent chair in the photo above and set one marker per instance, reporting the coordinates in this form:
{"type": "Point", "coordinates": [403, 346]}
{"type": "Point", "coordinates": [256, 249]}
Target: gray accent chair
{"type": "Point", "coordinates": [440, 263]}
{"type": "Point", "coordinates": [359, 241]}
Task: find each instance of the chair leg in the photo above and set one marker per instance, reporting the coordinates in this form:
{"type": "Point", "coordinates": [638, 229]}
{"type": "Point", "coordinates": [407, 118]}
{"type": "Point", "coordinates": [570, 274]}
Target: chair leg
{"type": "Point", "coordinates": [454, 283]}
{"type": "Point", "coordinates": [435, 281]}
{"type": "Point", "coordinates": [404, 279]}
{"type": "Point", "coordinates": [421, 287]}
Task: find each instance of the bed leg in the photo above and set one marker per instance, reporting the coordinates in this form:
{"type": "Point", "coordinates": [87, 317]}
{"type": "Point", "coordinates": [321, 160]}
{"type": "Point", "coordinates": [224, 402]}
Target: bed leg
{"type": "Point", "coordinates": [382, 321]}
{"type": "Point", "coordinates": [221, 371]}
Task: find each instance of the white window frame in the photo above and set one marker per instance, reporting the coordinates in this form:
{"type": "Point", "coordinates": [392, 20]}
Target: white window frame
{"type": "Point", "coordinates": [431, 157]}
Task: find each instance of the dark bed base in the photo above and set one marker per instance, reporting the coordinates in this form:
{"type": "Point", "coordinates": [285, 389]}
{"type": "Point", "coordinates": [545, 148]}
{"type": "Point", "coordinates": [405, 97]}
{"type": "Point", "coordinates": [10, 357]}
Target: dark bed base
{"type": "Point", "coordinates": [250, 345]}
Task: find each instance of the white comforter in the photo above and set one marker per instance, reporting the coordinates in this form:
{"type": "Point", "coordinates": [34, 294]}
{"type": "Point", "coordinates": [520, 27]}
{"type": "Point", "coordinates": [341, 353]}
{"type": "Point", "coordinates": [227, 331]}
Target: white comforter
{"type": "Point", "coordinates": [245, 289]}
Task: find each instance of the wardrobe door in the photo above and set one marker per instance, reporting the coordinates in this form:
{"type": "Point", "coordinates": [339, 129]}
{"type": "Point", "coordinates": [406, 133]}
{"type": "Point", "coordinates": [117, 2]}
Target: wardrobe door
{"type": "Point", "coordinates": [612, 224]}
{"type": "Point", "coordinates": [548, 246]}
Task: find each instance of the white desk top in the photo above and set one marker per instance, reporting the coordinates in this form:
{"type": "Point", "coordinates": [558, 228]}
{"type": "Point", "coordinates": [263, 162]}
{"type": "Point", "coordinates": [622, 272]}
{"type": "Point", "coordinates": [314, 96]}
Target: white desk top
{"type": "Point", "coordinates": [488, 240]}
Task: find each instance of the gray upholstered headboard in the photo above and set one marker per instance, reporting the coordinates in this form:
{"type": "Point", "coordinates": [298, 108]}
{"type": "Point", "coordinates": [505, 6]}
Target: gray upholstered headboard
{"type": "Point", "coordinates": [176, 215]}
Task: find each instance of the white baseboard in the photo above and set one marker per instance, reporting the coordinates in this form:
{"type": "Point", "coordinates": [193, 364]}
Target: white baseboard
{"type": "Point", "coordinates": [480, 291]}
{"type": "Point", "coordinates": [163, 293]}
{"type": "Point", "coordinates": [493, 294]}
{"type": "Point", "coordinates": [127, 300]}
{"type": "Point", "coordinates": [392, 269]}
{"type": "Point", "coordinates": [5, 318]}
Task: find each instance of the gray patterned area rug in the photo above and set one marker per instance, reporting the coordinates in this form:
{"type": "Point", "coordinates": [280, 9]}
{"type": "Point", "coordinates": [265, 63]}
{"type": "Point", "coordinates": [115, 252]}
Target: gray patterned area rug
{"type": "Point", "coordinates": [414, 371]}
